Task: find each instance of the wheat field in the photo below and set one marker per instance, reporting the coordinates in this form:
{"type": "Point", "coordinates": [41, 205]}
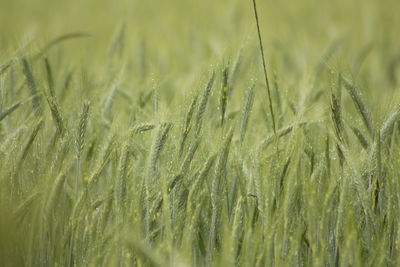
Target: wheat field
{"type": "Point", "coordinates": [144, 133]}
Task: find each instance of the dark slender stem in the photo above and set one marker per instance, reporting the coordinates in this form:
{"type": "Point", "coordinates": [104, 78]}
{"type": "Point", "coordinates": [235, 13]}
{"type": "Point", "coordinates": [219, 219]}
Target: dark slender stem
{"type": "Point", "coordinates": [264, 67]}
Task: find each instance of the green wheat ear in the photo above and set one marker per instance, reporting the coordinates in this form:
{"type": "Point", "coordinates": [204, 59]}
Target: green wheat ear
{"type": "Point", "coordinates": [55, 112]}
{"type": "Point", "coordinates": [216, 190]}
{"type": "Point", "coordinates": [187, 126]}
{"type": "Point", "coordinates": [83, 121]}
{"type": "Point", "coordinates": [223, 97]}
{"type": "Point", "coordinates": [141, 128]}
{"type": "Point", "coordinates": [246, 112]}
{"type": "Point", "coordinates": [30, 81]}
{"type": "Point", "coordinates": [80, 141]}
{"type": "Point", "coordinates": [360, 104]}
{"type": "Point", "coordinates": [203, 104]}
{"type": "Point", "coordinates": [336, 114]}
{"type": "Point", "coordinates": [122, 183]}
{"type": "Point", "coordinates": [158, 144]}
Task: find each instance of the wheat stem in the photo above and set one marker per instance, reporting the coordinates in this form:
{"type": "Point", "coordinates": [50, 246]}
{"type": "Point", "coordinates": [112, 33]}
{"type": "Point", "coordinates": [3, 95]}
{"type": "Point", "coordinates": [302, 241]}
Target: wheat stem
{"type": "Point", "coordinates": [264, 66]}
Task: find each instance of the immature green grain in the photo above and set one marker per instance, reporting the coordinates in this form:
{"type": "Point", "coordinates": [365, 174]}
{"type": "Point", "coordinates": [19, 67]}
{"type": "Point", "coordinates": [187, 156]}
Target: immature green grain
{"type": "Point", "coordinates": [220, 171]}
{"type": "Point", "coordinates": [191, 229]}
{"type": "Point", "coordinates": [83, 120]}
{"type": "Point", "coordinates": [223, 97]}
{"type": "Point", "coordinates": [360, 104]}
{"type": "Point", "coordinates": [345, 215]}
{"type": "Point", "coordinates": [156, 148]}
{"type": "Point", "coordinates": [177, 179]}
{"type": "Point", "coordinates": [283, 175]}
{"type": "Point", "coordinates": [360, 137]}
{"type": "Point", "coordinates": [30, 81]}
{"type": "Point", "coordinates": [199, 179]}
{"type": "Point", "coordinates": [203, 104]}
{"type": "Point", "coordinates": [377, 181]}
{"type": "Point", "coordinates": [327, 156]}
{"type": "Point", "coordinates": [237, 226]}
{"type": "Point", "coordinates": [122, 183]}
{"type": "Point", "coordinates": [141, 128]}
{"type": "Point", "coordinates": [246, 112]}
{"type": "Point", "coordinates": [336, 115]}
{"type": "Point", "coordinates": [50, 78]}
{"type": "Point", "coordinates": [258, 196]}
{"type": "Point", "coordinates": [55, 112]}
{"type": "Point", "coordinates": [187, 126]}
{"type": "Point", "coordinates": [80, 140]}
{"type": "Point", "coordinates": [281, 132]}
{"type": "Point", "coordinates": [189, 156]}
{"type": "Point", "coordinates": [233, 195]}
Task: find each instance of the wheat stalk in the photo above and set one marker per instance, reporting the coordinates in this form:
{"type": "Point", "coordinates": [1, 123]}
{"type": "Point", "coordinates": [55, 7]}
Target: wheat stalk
{"type": "Point", "coordinates": [264, 66]}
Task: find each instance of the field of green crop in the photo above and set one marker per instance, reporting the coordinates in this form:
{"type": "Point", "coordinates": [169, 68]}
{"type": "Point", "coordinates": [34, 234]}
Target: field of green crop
{"type": "Point", "coordinates": [140, 133]}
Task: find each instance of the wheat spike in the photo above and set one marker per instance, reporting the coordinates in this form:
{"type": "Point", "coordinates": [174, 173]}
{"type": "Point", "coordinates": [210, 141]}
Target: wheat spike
{"type": "Point", "coordinates": [246, 112]}
{"type": "Point", "coordinates": [157, 146]}
{"type": "Point", "coordinates": [55, 112]}
{"type": "Point", "coordinates": [187, 125]}
{"type": "Point", "coordinates": [82, 128]}
{"type": "Point", "coordinates": [223, 97]}
{"type": "Point", "coordinates": [220, 169]}
{"type": "Point", "coordinates": [30, 81]}
{"type": "Point", "coordinates": [203, 104]}
{"type": "Point", "coordinates": [360, 104]}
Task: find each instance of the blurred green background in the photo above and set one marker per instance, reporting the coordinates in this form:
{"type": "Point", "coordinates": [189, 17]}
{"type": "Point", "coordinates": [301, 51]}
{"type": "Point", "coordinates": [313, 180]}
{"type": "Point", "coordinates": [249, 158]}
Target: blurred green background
{"type": "Point", "coordinates": [182, 35]}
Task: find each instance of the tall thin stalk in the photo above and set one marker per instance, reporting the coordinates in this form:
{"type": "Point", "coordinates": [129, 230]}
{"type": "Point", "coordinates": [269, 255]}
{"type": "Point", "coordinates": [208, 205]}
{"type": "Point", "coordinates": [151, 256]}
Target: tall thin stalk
{"type": "Point", "coordinates": [264, 67]}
